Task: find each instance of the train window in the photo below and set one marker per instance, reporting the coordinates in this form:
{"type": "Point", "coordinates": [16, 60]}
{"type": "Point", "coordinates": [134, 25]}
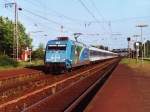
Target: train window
{"type": "Point", "coordinates": [56, 47]}
{"type": "Point", "coordinates": [91, 53]}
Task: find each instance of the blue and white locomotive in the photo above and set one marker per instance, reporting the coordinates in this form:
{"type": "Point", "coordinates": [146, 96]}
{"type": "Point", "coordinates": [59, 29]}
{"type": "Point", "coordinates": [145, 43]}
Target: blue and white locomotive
{"type": "Point", "coordinates": [65, 54]}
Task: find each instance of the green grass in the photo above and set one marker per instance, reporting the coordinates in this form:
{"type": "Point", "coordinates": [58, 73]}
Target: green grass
{"type": "Point", "coordinates": [138, 67]}
{"type": "Point", "coordinates": [133, 63]}
{"type": "Point", "coordinates": [32, 63]}
{"type": "Point", "coordinates": [5, 61]}
{"type": "Point", "coordinates": [8, 63]}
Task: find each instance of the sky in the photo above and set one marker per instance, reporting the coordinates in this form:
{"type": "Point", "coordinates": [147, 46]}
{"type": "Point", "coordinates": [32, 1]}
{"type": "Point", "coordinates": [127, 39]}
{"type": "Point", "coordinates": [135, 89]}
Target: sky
{"type": "Point", "coordinates": [101, 22]}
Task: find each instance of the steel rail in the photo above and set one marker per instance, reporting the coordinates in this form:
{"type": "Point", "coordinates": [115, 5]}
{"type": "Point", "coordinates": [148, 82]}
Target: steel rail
{"type": "Point", "coordinates": [45, 88]}
{"type": "Point", "coordinates": [89, 90]}
{"type": "Point", "coordinates": [42, 101]}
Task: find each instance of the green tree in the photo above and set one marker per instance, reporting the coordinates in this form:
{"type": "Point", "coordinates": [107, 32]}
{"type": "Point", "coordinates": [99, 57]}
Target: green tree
{"type": "Point", "coordinates": [39, 52]}
{"type": "Point", "coordinates": [147, 48]}
{"type": "Point", "coordinates": [100, 47]}
{"type": "Point", "coordinates": [6, 37]}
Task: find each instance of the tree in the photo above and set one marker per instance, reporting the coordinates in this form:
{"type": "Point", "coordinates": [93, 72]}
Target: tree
{"type": "Point", "coordinates": [147, 48]}
{"type": "Point", "coordinates": [38, 53]}
{"type": "Point", "coordinates": [6, 37]}
{"type": "Point", "coordinates": [100, 47]}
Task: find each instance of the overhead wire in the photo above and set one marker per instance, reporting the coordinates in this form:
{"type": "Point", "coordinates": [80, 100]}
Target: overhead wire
{"type": "Point", "coordinates": [98, 11]}
{"type": "Point", "coordinates": [42, 17]}
{"type": "Point", "coordinates": [88, 10]}
{"type": "Point", "coordinates": [38, 23]}
{"type": "Point", "coordinates": [51, 21]}
{"type": "Point", "coordinates": [58, 14]}
{"type": "Point", "coordinates": [100, 14]}
{"type": "Point", "coordinates": [96, 20]}
{"type": "Point", "coordinates": [55, 22]}
{"type": "Point", "coordinates": [129, 19]}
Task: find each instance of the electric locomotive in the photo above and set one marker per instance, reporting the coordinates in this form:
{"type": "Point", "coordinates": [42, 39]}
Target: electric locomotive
{"type": "Point", "coordinates": [64, 54]}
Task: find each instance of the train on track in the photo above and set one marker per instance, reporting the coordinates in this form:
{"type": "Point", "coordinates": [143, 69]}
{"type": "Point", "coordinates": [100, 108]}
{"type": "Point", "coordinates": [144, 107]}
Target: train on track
{"type": "Point", "coordinates": [65, 54]}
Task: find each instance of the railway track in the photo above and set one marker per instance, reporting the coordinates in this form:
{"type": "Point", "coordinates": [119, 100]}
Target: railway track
{"type": "Point", "coordinates": [76, 96]}
{"type": "Point", "coordinates": [21, 84]}
{"type": "Point", "coordinates": [37, 90]}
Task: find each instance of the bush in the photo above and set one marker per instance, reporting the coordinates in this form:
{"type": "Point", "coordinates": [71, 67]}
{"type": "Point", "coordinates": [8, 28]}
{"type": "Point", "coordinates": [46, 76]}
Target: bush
{"type": "Point", "coordinates": [6, 61]}
{"type": "Point", "coordinates": [38, 54]}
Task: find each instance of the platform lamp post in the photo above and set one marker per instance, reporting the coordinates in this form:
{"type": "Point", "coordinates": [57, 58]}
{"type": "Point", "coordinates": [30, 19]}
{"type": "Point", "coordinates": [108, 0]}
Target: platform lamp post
{"type": "Point", "coordinates": [141, 26]}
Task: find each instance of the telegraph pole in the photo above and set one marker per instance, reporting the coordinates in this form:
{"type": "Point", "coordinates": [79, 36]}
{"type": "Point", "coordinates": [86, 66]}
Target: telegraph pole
{"type": "Point", "coordinates": [15, 33]}
{"type": "Point", "coordinates": [16, 25]}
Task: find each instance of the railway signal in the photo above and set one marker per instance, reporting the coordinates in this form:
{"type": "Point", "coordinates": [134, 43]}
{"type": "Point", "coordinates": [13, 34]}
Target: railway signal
{"type": "Point", "coordinates": [129, 39]}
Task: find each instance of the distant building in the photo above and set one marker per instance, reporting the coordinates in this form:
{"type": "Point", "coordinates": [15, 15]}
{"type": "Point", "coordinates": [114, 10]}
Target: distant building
{"type": "Point", "coordinates": [121, 52]}
{"type": "Point", "coordinates": [26, 54]}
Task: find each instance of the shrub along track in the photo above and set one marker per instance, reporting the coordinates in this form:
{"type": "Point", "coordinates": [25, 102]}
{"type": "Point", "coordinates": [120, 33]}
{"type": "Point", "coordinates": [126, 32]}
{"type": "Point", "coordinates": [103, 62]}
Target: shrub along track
{"type": "Point", "coordinates": [24, 93]}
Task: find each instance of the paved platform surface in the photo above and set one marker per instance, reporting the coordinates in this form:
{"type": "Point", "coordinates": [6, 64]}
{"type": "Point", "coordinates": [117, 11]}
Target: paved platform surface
{"type": "Point", "coordinates": [125, 91]}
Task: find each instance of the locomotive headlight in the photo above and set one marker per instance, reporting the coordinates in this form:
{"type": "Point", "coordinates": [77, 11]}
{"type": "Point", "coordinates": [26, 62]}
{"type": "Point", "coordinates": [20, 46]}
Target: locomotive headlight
{"type": "Point", "coordinates": [63, 59]}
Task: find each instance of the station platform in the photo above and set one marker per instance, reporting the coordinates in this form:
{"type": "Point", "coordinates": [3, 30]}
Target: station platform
{"type": "Point", "coordinates": [126, 90]}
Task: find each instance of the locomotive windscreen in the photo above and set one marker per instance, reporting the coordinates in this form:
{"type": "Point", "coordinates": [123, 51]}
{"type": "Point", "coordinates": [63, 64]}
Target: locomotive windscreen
{"type": "Point", "coordinates": [56, 47]}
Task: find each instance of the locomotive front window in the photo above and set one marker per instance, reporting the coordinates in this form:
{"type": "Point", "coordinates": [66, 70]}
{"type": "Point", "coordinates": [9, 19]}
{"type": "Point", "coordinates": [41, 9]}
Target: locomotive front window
{"type": "Point", "coordinates": [56, 47]}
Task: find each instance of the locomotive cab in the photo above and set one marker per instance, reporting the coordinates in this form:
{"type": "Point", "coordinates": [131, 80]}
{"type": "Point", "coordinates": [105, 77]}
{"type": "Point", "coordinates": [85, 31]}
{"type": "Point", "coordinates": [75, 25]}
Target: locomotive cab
{"type": "Point", "coordinates": [56, 55]}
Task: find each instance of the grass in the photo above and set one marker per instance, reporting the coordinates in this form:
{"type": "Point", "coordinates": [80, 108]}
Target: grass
{"type": "Point", "coordinates": [32, 63]}
{"type": "Point", "coordinates": [137, 65]}
{"type": "Point", "coordinates": [8, 63]}
{"type": "Point", "coordinates": [134, 62]}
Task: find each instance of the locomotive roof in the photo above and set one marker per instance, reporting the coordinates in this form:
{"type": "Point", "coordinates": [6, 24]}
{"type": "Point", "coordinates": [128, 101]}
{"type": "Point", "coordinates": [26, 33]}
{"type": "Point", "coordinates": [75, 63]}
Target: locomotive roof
{"type": "Point", "coordinates": [64, 41]}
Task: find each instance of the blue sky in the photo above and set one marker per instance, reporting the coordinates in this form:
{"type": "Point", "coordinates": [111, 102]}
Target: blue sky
{"type": "Point", "coordinates": [111, 17]}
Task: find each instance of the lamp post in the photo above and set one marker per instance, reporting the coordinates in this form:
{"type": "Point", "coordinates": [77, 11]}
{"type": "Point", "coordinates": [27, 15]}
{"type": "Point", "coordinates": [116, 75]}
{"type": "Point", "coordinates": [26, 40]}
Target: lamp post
{"type": "Point", "coordinates": [141, 26]}
{"type": "Point", "coordinates": [17, 33]}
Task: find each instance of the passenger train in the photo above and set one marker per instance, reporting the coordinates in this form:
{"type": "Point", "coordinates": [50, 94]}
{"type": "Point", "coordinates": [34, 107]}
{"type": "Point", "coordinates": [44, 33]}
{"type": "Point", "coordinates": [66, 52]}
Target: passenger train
{"type": "Point", "coordinates": [65, 54]}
